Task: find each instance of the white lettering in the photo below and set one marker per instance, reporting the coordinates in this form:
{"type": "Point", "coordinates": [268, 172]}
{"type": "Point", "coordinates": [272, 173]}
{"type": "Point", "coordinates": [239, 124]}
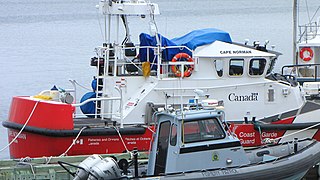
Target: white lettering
{"type": "Point", "coordinates": [269, 135]}
{"type": "Point", "coordinates": [243, 134]}
{"type": "Point", "coordinates": [236, 52]}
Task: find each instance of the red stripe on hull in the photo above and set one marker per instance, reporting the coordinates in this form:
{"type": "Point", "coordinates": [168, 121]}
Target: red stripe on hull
{"type": "Point", "coordinates": [249, 137]}
{"type": "Point", "coordinates": [34, 145]}
{"type": "Point", "coordinates": [317, 136]}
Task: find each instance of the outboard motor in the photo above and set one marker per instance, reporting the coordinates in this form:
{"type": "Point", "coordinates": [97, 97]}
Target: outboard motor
{"type": "Point", "coordinates": [83, 172]}
{"type": "Point", "coordinates": [106, 168]}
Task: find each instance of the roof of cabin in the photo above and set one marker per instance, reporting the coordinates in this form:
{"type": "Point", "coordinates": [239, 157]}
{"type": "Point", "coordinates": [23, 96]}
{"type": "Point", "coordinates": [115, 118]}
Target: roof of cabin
{"type": "Point", "coordinates": [220, 49]}
{"type": "Point", "coordinates": [311, 43]}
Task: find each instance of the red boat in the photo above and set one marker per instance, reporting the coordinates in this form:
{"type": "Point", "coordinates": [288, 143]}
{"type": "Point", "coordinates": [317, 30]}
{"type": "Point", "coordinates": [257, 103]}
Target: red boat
{"type": "Point", "coordinates": [52, 131]}
{"type": "Point", "coordinates": [134, 81]}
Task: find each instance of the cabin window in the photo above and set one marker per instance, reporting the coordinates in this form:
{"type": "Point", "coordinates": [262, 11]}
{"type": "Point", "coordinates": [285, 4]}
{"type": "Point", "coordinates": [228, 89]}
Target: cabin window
{"type": "Point", "coordinates": [173, 135]}
{"type": "Point", "coordinates": [218, 64]}
{"type": "Point", "coordinates": [163, 143]}
{"type": "Point", "coordinates": [236, 67]}
{"type": "Point", "coordinates": [271, 65]}
{"type": "Point", "coordinates": [202, 130]}
{"type": "Point", "coordinates": [257, 66]}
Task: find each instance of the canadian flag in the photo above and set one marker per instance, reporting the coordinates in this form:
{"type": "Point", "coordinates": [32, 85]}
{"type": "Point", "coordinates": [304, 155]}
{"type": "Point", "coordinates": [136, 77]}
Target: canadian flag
{"type": "Point", "coordinates": [79, 141]}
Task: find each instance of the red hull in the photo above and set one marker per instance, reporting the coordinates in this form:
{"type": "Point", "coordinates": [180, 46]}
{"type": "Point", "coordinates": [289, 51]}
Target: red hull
{"type": "Point", "coordinates": [34, 145]}
{"type": "Point", "coordinates": [58, 116]}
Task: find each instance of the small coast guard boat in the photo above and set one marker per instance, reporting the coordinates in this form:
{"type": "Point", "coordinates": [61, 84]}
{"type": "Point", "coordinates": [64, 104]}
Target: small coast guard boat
{"type": "Point", "coordinates": [133, 81]}
{"type": "Point", "coordinates": [195, 145]}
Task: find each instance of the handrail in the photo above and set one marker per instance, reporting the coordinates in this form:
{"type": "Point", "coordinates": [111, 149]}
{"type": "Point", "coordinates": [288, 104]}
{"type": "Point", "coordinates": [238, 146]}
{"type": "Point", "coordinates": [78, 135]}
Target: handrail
{"type": "Point", "coordinates": [95, 99]}
{"type": "Point", "coordinates": [146, 47]}
{"type": "Point", "coordinates": [302, 65]}
{"type": "Point", "coordinates": [308, 31]}
{"type": "Point", "coordinates": [122, 59]}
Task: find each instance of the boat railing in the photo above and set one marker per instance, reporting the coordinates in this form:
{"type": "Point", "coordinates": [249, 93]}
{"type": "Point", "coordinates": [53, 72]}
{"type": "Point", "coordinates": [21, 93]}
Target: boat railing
{"type": "Point", "coordinates": [131, 65]}
{"type": "Point", "coordinates": [96, 100]}
{"type": "Point", "coordinates": [309, 71]}
{"type": "Point", "coordinates": [308, 31]}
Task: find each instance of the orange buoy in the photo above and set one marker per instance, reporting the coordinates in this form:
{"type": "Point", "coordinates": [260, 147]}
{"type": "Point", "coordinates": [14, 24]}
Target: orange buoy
{"type": "Point", "coordinates": [306, 54]}
{"type": "Point", "coordinates": [176, 70]}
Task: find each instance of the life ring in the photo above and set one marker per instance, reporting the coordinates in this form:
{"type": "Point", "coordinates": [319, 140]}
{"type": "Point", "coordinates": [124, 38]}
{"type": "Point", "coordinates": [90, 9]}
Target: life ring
{"type": "Point", "coordinates": [176, 70]}
{"type": "Point", "coordinates": [306, 54]}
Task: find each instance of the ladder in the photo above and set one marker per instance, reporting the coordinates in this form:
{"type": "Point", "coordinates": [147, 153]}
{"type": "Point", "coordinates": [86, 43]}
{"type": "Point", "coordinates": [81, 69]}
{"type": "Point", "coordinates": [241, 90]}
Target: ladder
{"type": "Point", "coordinates": [105, 52]}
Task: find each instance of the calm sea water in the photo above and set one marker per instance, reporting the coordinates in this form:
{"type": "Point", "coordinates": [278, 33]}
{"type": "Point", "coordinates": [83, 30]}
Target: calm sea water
{"type": "Point", "coordinates": [45, 43]}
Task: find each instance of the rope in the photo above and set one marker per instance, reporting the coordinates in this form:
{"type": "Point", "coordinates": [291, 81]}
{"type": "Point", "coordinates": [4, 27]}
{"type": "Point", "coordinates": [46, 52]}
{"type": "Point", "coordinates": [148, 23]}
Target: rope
{"type": "Point", "coordinates": [31, 167]}
{"type": "Point", "coordinates": [146, 126]}
{"type": "Point", "coordinates": [308, 11]}
{"type": "Point", "coordinates": [315, 14]}
{"type": "Point", "coordinates": [100, 26]}
{"type": "Point", "coordinates": [121, 139]}
{"type": "Point", "coordinates": [48, 159]}
{"type": "Point", "coordinates": [26, 161]}
{"type": "Point", "coordinates": [73, 142]}
{"type": "Point", "coordinates": [82, 86]}
{"type": "Point", "coordinates": [25, 124]}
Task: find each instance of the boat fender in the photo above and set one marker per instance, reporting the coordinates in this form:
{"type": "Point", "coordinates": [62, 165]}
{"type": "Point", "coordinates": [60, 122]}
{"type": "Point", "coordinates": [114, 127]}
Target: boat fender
{"type": "Point", "coordinates": [146, 69]}
{"type": "Point", "coordinates": [90, 107]}
{"type": "Point", "coordinates": [176, 70]}
{"type": "Point", "coordinates": [306, 54]}
{"type": "Point", "coordinates": [94, 84]}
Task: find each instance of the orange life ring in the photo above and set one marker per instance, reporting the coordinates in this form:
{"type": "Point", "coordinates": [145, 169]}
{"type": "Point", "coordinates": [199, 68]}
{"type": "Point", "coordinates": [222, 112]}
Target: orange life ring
{"type": "Point", "coordinates": [306, 54]}
{"type": "Point", "coordinates": [179, 57]}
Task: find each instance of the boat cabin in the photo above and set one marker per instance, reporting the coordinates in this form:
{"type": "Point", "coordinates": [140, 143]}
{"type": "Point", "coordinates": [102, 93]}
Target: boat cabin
{"type": "Point", "coordinates": [196, 137]}
{"type": "Point", "coordinates": [170, 72]}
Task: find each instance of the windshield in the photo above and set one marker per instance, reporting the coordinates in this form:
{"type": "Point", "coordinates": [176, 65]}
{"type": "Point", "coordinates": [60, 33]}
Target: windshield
{"type": "Point", "coordinates": [202, 130]}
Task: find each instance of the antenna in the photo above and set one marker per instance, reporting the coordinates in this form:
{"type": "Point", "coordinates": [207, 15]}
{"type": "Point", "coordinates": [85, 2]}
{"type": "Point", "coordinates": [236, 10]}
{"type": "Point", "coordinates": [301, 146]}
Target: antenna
{"type": "Point", "coordinates": [199, 93]}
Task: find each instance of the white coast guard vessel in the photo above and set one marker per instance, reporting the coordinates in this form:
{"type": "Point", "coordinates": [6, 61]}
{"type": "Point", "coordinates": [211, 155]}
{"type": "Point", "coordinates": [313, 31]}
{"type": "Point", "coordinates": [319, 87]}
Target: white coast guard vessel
{"type": "Point", "coordinates": [135, 79]}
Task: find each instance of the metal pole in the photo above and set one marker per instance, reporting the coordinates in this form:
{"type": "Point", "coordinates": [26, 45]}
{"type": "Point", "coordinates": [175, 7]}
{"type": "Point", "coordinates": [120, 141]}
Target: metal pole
{"type": "Point", "coordinates": [121, 105]}
{"type": "Point", "coordinates": [135, 162]}
{"type": "Point", "coordinates": [294, 38]}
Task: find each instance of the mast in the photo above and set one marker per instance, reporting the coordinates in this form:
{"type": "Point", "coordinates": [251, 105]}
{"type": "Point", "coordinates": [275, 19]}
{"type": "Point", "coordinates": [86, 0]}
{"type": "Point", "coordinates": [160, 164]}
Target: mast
{"type": "Point", "coordinates": [294, 35]}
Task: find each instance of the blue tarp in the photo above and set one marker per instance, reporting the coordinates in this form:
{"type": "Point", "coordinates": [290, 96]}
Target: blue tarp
{"type": "Point", "coordinates": [192, 40]}
{"type": "Point", "coordinates": [201, 37]}
{"type": "Point", "coordinates": [167, 54]}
